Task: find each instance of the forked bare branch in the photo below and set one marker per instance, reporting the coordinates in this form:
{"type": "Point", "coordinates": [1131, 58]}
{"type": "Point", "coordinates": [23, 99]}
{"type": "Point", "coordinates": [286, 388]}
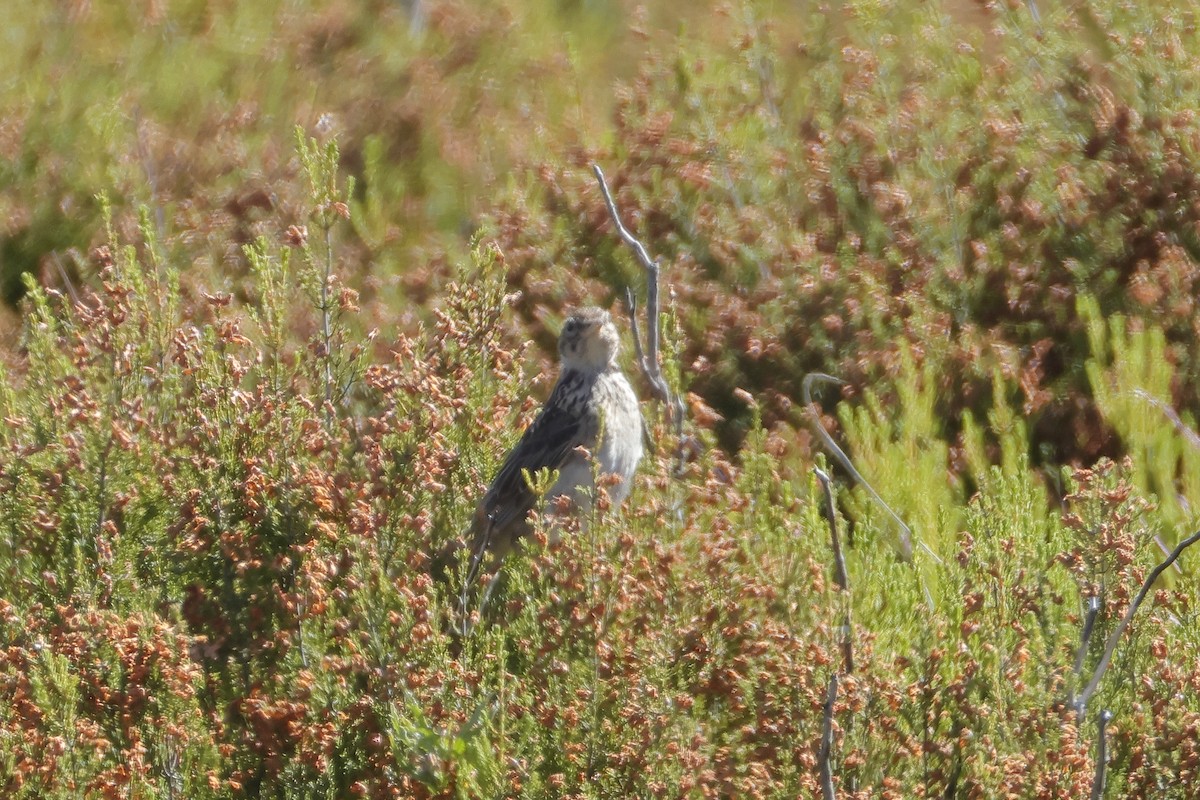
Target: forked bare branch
{"type": "Point", "coordinates": [647, 357]}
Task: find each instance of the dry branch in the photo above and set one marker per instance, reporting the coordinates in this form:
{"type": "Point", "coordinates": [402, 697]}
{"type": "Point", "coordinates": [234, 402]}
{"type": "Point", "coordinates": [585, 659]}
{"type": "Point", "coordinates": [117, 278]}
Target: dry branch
{"type": "Point", "coordinates": [827, 740]}
{"type": "Point", "coordinates": [1187, 433]}
{"type": "Point", "coordinates": [1085, 638]}
{"type": "Point", "coordinates": [841, 575]}
{"type": "Point", "coordinates": [1101, 755]}
{"type": "Point", "coordinates": [66, 279]}
{"type": "Point", "coordinates": [647, 357]}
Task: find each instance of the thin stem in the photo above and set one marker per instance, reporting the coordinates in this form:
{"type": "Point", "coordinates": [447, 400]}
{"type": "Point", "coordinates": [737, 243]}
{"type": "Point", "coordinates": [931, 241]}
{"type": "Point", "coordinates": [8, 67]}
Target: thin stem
{"type": "Point", "coordinates": [66, 279]}
{"type": "Point", "coordinates": [326, 331]}
{"type": "Point", "coordinates": [1089, 623]}
{"type": "Point", "coordinates": [841, 575]}
{"type": "Point", "coordinates": [638, 248]}
{"type": "Point", "coordinates": [634, 327]}
{"type": "Point", "coordinates": [827, 740]}
{"type": "Point", "coordinates": [839, 456]}
{"type": "Point", "coordinates": [148, 167]}
{"type": "Point", "coordinates": [1187, 433]}
{"type": "Point", "coordinates": [1101, 755]}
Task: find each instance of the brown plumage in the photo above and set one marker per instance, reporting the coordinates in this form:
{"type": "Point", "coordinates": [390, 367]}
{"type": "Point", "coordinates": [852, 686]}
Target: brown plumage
{"type": "Point", "coordinates": [589, 424]}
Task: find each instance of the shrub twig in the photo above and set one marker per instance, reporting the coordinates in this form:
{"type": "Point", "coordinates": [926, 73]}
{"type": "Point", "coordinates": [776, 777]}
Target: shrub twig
{"type": "Point", "coordinates": [1101, 755]}
{"type": "Point", "coordinates": [326, 327]}
{"type": "Point", "coordinates": [648, 357]}
{"type": "Point", "coordinates": [906, 536]}
{"type": "Point", "coordinates": [1089, 624]}
{"type": "Point", "coordinates": [827, 740]}
{"type": "Point", "coordinates": [635, 328]}
{"type": "Point", "coordinates": [840, 575]}
{"type": "Point", "coordinates": [66, 279]}
{"type": "Point", "coordinates": [143, 155]}
{"type": "Point", "coordinates": [839, 562]}
{"type": "Point", "coordinates": [1115, 637]}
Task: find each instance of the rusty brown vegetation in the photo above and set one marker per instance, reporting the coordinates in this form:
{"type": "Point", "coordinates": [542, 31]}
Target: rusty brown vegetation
{"type": "Point", "coordinates": [255, 378]}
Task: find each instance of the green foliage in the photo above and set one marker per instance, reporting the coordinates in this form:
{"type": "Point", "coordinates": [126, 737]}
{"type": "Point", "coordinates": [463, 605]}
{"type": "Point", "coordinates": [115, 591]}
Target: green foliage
{"type": "Point", "coordinates": [906, 459]}
{"type": "Point", "coordinates": [1132, 377]}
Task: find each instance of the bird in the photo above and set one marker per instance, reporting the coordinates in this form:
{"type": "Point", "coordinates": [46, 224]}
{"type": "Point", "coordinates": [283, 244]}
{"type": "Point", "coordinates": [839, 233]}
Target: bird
{"type": "Point", "coordinates": [591, 425]}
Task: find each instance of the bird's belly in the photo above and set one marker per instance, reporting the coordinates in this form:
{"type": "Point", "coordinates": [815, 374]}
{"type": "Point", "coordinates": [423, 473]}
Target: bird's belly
{"type": "Point", "coordinates": [620, 459]}
{"type": "Point", "coordinates": [617, 453]}
{"type": "Point", "coordinates": [574, 480]}
{"type": "Point", "coordinates": [620, 448]}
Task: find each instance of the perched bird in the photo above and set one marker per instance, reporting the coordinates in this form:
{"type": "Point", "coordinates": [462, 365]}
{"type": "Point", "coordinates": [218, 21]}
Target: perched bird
{"type": "Point", "coordinates": [589, 426]}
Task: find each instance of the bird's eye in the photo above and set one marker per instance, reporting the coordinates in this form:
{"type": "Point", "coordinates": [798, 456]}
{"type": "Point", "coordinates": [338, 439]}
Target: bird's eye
{"type": "Point", "coordinates": [571, 326]}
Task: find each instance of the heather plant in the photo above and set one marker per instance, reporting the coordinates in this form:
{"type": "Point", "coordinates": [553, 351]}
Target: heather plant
{"type": "Point", "coordinates": [952, 174]}
{"type": "Point", "coordinates": [1132, 375]}
{"type": "Point", "coordinates": [220, 489]}
{"type": "Point", "coordinates": [907, 459]}
{"type": "Point", "coordinates": [257, 617]}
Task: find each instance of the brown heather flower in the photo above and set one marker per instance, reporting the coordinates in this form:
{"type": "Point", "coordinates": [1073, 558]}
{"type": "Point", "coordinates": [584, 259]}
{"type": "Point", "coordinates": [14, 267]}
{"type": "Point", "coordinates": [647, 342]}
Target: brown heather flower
{"type": "Point", "coordinates": [102, 257]}
{"type": "Point", "coordinates": [296, 236]}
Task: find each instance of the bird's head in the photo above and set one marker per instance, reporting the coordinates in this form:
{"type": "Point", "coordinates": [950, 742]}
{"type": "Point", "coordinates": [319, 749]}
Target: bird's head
{"type": "Point", "coordinates": [589, 340]}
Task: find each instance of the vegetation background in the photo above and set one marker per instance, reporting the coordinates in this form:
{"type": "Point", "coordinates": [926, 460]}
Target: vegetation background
{"type": "Point", "coordinates": [253, 376]}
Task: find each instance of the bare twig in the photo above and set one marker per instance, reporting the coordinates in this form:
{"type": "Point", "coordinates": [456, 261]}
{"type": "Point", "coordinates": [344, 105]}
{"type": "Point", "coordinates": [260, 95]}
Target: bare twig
{"type": "Point", "coordinates": [1115, 637]}
{"type": "Point", "coordinates": [839, 456]}
{"type": "Point", "coordinates": [647, 358]}
{"type": "Point", "coordinates": [634, 326]}
{"type": "Point", "coordinates": [326, 328]}
{"type": "Point", "coordinates": [1101, 755]}
{"type": "Point", "coordinates": [1089, 623]}
{"type": "Point", "coordinates": [840, 575]}
{"type": "Point", "coordinates": [827, 740]}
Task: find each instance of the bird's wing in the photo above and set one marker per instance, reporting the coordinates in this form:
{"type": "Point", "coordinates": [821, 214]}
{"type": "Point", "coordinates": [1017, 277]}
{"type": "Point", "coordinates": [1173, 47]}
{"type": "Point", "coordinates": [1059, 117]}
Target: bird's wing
{"type": "Point", "coordinates": [546, 444]}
